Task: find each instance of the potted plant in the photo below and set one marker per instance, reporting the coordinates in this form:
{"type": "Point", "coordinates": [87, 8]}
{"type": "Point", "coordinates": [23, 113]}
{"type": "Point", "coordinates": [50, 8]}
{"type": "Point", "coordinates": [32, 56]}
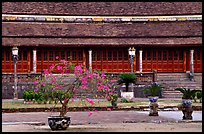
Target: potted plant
{"type": "Point", "coordinates": [112, 93]}
{"type": "Point", "coordinates": [113, 99]}
{"type": "Point", "coordinates": [187, 100]}
{"type": "Point", "coordinates": [199, 95]}
{"type": "Point", "coordinates": [127, 78]}
{"type": "Point", "coordinates": [187, 96]}
{"type": "Point", "coordinates": [152, 92]}
{"type": "Point", "coordinates": [66, 86]}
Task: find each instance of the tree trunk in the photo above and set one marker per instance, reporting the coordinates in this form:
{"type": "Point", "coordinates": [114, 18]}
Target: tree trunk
{"type": "Point", "coordinates": [64, 107]}
{"type": "Point", "coordinates": [126, 87]}
{"type": "Point", "coordinates": [63, 110]}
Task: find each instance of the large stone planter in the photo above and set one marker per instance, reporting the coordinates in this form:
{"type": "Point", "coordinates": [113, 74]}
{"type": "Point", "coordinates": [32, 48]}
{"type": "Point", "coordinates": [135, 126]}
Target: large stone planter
{"type": "Point", "coordinates": [127, 95]}
{"type": "Point", "coordinates": [153, 106]}
{"type": "Point", "coordinates": [187, 113]}
{"type": "Point", "coordinates": [59, 122]}
{"type": "Point", "coordinates": [187, 109]}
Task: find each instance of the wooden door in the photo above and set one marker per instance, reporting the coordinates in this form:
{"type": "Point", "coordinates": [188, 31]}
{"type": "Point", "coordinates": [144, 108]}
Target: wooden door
{"type": "Point", "coordinates": [178, 61]}
{"type": "Point", "coordinates": [7, 60]}
{"type": "Point", "coordinates": [110, 60]}
{"type": "Point", "coordinates": [197, 60]}
{"type": "Point", "coordinates": [23, 63]}
{"type": "Point", "coordinates": [162, 60]}
{"type": "Point", "coordinates": [24, 60]}
{"type": "Point", "coordinates": [49, 56]}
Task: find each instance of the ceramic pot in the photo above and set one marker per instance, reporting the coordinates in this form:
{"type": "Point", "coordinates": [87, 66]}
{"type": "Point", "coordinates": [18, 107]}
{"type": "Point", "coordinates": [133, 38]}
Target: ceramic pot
{"type": "Point", "coordinates": [153, 98]}
{"type": "Point", "coordinates": [187, 102]}
{"type": "Point", "coordinates": [59, 122]}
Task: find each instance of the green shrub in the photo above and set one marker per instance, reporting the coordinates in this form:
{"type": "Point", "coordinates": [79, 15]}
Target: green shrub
{"type": "Point", "coordinates": [28, 95]}
{"type": "Point", "coordinates": [45, 97]}
{"type": "Point", "coordinates": [199, 95]}
{"type": "Point", "coordinates": [124, 100]}
{"type": "Point", "coordinates": [187, 93]}
{"type": "Point", "coordinates": [126, 78]}
{"type": "Point", "coordinates": [31, 95]}
{"type": "Point", "coordinates": [38, 97]}
{"type": "Point", "coordinates": [153, 89]}
{"type": "Point", "coordinates": [25, 95]}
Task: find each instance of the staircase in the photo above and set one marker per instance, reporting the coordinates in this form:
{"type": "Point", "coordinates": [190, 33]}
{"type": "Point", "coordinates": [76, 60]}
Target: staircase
{"type": "Point", "coordinates": [170, 81]}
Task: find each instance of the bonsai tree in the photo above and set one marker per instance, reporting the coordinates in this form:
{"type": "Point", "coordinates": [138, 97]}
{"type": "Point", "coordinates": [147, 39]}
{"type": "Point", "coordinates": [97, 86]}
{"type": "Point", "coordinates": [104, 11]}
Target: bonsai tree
{"type": "Point", "coordinates": [74, 82]}
{"type": "Point", "coordinates": [187, 93]}
{"type": "Point", "coordinates": [153, 89]}
{"type": "Point", "coordinates": [126, 78]}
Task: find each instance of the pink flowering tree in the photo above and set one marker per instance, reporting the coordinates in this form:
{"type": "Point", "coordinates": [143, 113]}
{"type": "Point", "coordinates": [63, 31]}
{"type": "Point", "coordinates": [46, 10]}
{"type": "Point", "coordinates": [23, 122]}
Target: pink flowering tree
{"type": "Point", "coordinates": [75, 82]}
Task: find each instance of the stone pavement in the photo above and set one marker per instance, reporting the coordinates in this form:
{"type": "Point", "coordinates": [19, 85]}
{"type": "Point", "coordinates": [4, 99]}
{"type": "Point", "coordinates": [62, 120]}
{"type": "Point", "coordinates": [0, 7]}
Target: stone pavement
{"type": "Point", "coordinates": [79, 120]}
{"type": "Point", "coordinates": [123, 120]}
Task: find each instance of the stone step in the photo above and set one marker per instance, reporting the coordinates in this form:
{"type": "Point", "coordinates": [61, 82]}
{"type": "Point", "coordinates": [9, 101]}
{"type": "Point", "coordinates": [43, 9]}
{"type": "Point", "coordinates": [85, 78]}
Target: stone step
{"type": "Point", "coordinates": [170, 94]}
{"type": "Point", "coordinates": [174, 85]}
{"type": "Point", "coordinates": [178, 81]}
{"type": "Point", "coordinates": [171, 81]}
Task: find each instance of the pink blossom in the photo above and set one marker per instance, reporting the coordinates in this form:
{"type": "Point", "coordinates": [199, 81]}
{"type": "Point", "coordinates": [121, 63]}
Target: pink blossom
{"type": "Point", "coordinates": [106, 87]}
{"type": "Point", "coordinates": [82, 78]}
{"type": "Point", "coordinates": [51, 67]}
{"type": "Point", "coordinates": [62, 60]}
{"type": "Point", "coordinates": [103, 75]}
{"type": "Point", "coordinates": [91, 102]}
{"type": "Point", "coordinates": [90, 113]}
{"type": "Point", "coordinates": [57, 57]}
{"type": "Point", "coordinates": [46, 72]}
{"type": "Point", "coordinates": [101, 86]}
{"type": "Point", "coordinates": [89, 76]}
{"type": "Point", "coordinates": [59, 67]}
{"type": "Point", "coordinates": [76, 73]}
{"type": "Point", "coordinates": [35, 82]}
{"type": "Point", "coordinates": [109, 109]}
{"type": "Point", "coordinates": [79, 69]}
{"type": "Point", "coordinates": [84, 87]}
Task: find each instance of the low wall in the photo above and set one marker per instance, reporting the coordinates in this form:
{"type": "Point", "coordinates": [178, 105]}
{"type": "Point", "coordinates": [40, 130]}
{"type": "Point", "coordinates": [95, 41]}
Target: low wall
{"type": "Point", "coordinates": [25, 83]}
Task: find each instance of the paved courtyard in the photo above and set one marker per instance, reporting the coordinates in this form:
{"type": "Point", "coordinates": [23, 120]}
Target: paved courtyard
{"type": "Point", "coordinates": [107, 121]}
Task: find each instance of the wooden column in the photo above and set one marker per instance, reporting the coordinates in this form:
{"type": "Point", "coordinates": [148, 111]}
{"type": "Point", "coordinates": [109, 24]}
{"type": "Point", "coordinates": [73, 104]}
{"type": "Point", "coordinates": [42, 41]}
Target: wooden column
{"type": "Point", "coordinates": [90, 60]}
{"type": "Point", "coordinates": [184, 61]}
{"type": "Point", "coordinates": [84, 57]}
{"type": "Point", "coordinates": [140, 60]}
{"type": "Point", "coordinates": [34, 61]}
{"type": "Point", "coordinates": [29, 60]}
{"type": "Point", "coordinates": [191, 61]}
{"type": "Point", "coordinates": [135, 61]}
